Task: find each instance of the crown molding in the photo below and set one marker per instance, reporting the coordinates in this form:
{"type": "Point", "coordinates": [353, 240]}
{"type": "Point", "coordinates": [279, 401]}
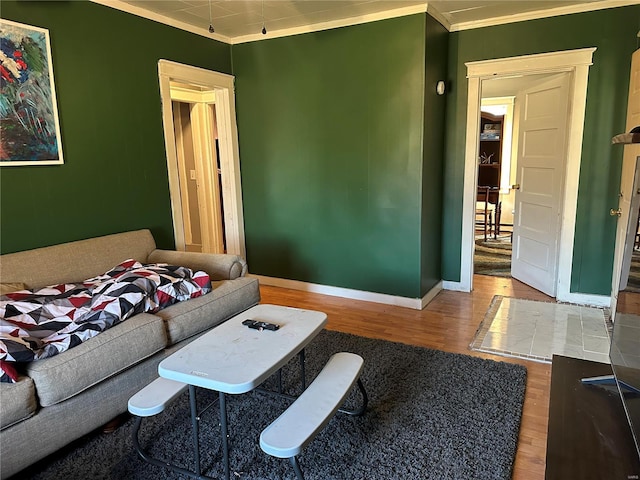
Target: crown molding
{"type": "Point", "coordinates": [435, 13]}
{"type": "Point", "coordinates": [346, 22]}
{"type": "Point", "coordinates": [343, 22]}
{"type": "Point", "coordinates": [156, 17]}
{"type": "Point", "coordinates": [535, 15]}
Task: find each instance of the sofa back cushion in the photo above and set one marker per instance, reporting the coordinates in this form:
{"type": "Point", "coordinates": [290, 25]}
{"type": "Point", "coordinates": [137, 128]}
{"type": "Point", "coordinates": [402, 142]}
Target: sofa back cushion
{"type": "Point", "coordinates": [63, 376]}
{"type": "Point", "coordinates": [17, 401]}
{"type": "Point", "coordinates": [75, 261]}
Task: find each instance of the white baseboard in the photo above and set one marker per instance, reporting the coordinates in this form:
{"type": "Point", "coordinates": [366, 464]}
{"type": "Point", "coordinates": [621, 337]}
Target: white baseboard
{"type": "Point", "coordinates": [415, 303]}
{"type": "Point", "coordinates": [585, 299]}
{"type": "Point", "coordinates": [431, 294]}
{"type": "Point", "coordinates": [575, 298]}
{"type": "Point", "coordinates": [455, 286]}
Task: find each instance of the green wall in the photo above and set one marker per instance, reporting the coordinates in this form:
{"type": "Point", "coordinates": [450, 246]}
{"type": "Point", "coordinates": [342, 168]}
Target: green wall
{"type": "Point", "coordinates": [340, 140]}
{"type": "Point", "coordinates": [613, 32]}
{"type": "Point", "coordinates": [114, 177]}
{"type": "Point", "coordinates": [331, 137]}
{"type": "Point", "coordinates": [436, 47]}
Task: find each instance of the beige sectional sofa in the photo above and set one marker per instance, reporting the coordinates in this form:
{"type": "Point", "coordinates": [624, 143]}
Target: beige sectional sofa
{"type": "Point", "coordinates": [61, 398]}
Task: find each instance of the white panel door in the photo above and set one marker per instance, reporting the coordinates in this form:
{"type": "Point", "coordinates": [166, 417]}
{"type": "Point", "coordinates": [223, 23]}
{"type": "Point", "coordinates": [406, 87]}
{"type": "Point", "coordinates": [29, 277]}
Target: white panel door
{"type": "Point", "coordinates": [540, 176]}
{"type": "Point", "coordinates": [629, 191]}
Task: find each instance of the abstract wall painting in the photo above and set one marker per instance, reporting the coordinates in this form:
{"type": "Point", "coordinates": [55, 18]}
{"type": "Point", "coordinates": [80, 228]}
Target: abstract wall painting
{"type": "Point", "coordinates": [29, 127]}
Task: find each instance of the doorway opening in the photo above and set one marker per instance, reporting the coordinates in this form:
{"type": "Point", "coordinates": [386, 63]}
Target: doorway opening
{"type": "Point", "coordinates": [576, 63]}
{"type": "Point", "coordinates": [195, 130]}
{"type": "Point", "coordinates": [506, 107]}
{"type": "Point", "coordinates": [492, 251]}
{"type": "Point", "coordinates": [201, 141]}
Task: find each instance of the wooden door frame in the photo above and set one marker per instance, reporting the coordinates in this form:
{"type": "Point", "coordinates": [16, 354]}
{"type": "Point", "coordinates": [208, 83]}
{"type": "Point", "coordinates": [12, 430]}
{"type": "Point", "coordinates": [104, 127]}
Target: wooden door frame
{"type": "Point", "coordinates": [223, 86]}
{"type": "Point", "coordinates": [575, 62]}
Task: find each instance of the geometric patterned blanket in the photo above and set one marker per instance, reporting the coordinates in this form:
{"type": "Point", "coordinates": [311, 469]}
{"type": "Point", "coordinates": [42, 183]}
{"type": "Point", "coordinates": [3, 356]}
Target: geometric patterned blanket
{"type": "Point", "coordinates": [36, 324]}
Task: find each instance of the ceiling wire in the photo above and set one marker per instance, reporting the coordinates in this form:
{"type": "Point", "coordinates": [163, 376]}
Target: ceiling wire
{"type": "Point", "coordinates": [211, 29]}
{"type": "Point", "coordinates": [264, 29]}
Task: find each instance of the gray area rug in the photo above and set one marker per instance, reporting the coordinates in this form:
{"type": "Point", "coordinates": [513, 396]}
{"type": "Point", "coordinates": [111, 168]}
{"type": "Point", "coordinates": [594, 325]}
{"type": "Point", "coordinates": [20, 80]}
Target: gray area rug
{"type": "Point", "coordinates": [431, 415]}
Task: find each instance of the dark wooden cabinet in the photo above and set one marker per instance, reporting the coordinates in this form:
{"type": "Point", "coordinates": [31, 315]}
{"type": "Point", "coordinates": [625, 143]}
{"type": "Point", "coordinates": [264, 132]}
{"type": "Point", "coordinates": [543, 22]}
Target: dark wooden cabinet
{"type": "Point", "coordinates": [490, 150]}
{"type": "Point", "coordinates": [588, 436]}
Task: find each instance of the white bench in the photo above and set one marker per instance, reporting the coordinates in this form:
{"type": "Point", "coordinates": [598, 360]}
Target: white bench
{"type": "Point", "coordinates": [153, 398]}
{"type": "Point", "coordinates": [300, 423]}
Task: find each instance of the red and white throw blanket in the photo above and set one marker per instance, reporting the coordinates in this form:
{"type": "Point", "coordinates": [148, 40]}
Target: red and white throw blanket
{"type": "Point", "coordinates": [36, 324]}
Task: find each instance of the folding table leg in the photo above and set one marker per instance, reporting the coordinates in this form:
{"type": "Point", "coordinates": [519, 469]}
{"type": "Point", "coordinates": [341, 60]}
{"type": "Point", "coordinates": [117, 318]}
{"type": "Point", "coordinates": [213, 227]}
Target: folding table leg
{"type": "Point", "coordinates": [195, 427]}
{"type": "Point", "coordinates": [225, 434]}
{"type": "Point", "coordinates": [302, 370]}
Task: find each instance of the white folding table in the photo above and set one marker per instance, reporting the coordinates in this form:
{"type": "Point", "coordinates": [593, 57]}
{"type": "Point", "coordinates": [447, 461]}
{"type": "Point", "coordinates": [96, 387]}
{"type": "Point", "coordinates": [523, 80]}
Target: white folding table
{"type": "Point", "coordinates": [232, 358]}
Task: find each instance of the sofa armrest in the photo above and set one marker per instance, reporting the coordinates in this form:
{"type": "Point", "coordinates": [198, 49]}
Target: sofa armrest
{"type": "Point", "coordinates": [219, 266]}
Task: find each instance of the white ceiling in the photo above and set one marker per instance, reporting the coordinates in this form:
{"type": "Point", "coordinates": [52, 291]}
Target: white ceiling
{"type": "Point", "coordinates": [242, 20]}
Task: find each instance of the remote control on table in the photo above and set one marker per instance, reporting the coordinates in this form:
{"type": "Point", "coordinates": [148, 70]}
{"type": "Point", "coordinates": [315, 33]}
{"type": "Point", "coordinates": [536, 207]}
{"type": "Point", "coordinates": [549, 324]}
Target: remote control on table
{"type": "Point", "coordinates": [259, 325]}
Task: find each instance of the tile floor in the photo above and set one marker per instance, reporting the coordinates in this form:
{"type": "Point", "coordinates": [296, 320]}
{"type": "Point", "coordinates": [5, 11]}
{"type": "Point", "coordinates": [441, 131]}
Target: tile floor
{"type": "Point", "coordinates": [537, 330]}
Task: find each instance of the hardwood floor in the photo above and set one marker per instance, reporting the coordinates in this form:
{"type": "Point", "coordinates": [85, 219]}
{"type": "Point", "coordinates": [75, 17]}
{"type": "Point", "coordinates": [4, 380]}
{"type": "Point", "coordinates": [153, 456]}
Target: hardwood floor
{"type": "Point", "coordinates": [448, 323]}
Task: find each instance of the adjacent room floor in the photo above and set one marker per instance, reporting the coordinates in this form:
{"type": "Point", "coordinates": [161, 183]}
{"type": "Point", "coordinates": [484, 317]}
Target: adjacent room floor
{"type": "Point", "coordinates": [538, 330]}
{"type": "Point", "coordinates": [535, 330]}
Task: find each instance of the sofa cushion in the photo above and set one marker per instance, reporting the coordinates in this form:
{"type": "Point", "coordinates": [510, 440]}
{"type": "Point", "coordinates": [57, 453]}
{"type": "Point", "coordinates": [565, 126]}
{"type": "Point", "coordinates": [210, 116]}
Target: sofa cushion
{"type": "Point", "coordinates": [17, 401]}
{"type": "Point", "coordinates": [228, 298]}
{"type": "Point", "coordinates": [11, 287]}
{"type": "Point", "coordinates": [69, 373]}
{"type": "Point", "coordinates": [74, 261]}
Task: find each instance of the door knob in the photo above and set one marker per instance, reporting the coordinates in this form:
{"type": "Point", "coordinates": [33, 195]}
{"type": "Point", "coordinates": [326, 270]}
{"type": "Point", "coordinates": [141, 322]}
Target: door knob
{"type": "Point", "coordinates": [615, 213]}
{"type": "Point", "coordinates": [515, 187]}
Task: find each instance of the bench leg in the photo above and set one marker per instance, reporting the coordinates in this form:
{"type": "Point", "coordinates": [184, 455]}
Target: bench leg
{"type": "Point", "coordinates": [365, 402]}
{"type": "Point", "coordinates": [160, 463]}
{"type": "Point", "coordinates": [296, 468]}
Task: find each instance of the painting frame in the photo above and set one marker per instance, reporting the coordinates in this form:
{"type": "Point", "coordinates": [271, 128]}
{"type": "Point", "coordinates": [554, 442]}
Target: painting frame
{"type": "Point", "coordinates": [29, 122]}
